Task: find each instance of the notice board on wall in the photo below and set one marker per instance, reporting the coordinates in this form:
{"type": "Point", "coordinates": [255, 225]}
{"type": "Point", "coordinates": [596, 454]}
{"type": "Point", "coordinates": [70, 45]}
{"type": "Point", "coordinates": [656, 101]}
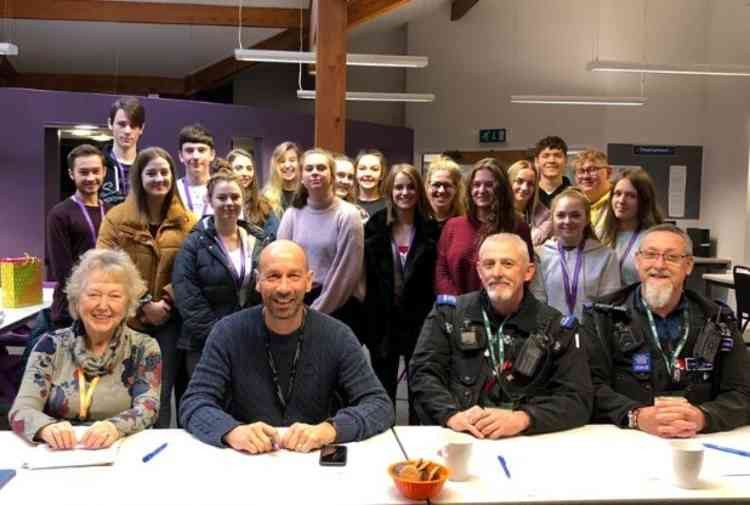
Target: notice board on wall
{"type": "Point", "coordinates": [675, 170]}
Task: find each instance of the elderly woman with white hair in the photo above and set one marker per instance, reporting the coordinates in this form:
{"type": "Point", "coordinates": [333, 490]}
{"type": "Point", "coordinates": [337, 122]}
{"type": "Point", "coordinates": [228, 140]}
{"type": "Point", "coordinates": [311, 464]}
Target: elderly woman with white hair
{"type": "Point", "coordinates": [98, 372]}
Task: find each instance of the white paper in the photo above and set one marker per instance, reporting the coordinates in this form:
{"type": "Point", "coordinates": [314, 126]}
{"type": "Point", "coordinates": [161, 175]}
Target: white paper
{"type": "Point", "coordinates": [677, 186]}
{"type": "Point", "coordinates": [42, 457]}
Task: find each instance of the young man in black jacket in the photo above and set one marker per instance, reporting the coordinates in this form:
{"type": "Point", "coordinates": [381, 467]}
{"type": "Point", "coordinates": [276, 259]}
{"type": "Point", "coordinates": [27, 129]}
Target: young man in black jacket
{"type": "Point", "coordinates": [497, 362]}
{"type": "Point", "coordinates": [127, 119]}
{"type": "Point", "coordinates": [664, 359]}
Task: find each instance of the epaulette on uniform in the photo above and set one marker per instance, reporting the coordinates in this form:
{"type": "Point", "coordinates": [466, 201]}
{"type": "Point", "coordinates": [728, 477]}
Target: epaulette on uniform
{"type": "Point", "coordinates": [568, 322]}
{"type": "Point", "coordinates": [446, 300]}
{"type": "Point", "coordinates": [726, 311]}
{"type": "Point", "coordinates": [608, 307]}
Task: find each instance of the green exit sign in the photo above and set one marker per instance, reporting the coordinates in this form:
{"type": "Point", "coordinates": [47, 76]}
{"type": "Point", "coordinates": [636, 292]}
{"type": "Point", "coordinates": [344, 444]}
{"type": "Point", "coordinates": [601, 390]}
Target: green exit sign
{"type": "Point", "coordinates": [492, 135]}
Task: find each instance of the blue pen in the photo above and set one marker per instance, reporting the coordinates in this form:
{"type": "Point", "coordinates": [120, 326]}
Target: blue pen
{"type": "Point", "coordinates": [148, 457]}
{"type": "Point", "coordinates": [730, 450]}
{"type": "Point", "coordinates": [504, 465]}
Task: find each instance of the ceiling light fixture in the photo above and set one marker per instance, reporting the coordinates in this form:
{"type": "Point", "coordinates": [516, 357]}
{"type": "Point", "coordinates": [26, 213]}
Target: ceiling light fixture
{"type": "Point", "coordinates": [8, 49]}
{"type": "Point", "coordinates": [657, 68]}
{"type": "Point", "coordinates": [368, 96]}
{"type": "Point", "coordinates": [355, 60]}
{"type": "Point", "coordinates": [626, 101]}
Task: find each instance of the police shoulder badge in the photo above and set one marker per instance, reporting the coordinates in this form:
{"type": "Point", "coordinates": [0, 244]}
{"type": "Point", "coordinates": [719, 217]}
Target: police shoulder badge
{"type": "Point", "coordinates": [641, 362]}
{"type": "Point", "coordinates": [446, 300]}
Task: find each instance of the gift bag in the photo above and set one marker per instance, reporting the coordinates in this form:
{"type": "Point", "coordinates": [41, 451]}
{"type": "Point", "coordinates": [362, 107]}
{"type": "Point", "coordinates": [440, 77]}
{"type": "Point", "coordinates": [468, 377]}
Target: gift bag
{"type": "Point", "coordinates": [21, 281]}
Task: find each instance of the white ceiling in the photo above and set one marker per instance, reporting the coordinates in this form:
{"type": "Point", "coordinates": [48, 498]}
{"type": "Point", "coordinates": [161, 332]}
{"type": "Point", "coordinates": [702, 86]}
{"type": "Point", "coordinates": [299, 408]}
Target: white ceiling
{"type": "Point", "coordinates": [68, 47]}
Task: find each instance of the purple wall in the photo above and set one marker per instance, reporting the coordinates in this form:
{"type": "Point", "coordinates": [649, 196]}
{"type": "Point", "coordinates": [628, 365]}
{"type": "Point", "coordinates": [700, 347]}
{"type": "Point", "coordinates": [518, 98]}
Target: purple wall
{"type": "Point", "coordinates": [27, 112]}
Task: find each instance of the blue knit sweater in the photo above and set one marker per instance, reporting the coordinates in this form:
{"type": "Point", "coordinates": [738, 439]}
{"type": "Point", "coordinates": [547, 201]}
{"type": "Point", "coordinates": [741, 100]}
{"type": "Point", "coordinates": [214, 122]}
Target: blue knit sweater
{"type": "Point", "coordinates": [232, 384]}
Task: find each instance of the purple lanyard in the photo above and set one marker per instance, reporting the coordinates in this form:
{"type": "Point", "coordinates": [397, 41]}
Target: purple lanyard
{"type": "Point", "coordinates": [630, 245]}
{"type": "Point", "coordinates": [120, 176]}
{"type": "Point", "coordinates": [187, 194]}
{"type": "Point", "coordinates": [239, 279]}
{"type": "Point", "coordinates": [571, 293]}
{"type": "Point", "coordinates": [88, 218]}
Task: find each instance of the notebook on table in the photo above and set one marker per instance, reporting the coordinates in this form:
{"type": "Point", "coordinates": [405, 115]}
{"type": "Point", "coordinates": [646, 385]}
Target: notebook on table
{"type": "Point", "coordinates": [41, 457]}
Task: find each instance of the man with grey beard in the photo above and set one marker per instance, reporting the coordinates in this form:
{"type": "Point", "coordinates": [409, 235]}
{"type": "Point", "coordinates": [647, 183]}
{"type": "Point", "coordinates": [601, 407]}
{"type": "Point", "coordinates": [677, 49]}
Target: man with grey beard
{"type": "Point", "coordinates": [497, 362]}
{"type": "Point", "coordinates": [664, 359]}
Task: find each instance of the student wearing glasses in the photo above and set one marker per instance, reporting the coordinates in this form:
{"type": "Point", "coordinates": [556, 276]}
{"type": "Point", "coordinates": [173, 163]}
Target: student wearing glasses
{"type": "Point", "coordinates": [665, 360]}
{"type": "Point", "coordinates": [445, 189]}
{"type": "Point", "coordinates": [592, 177]}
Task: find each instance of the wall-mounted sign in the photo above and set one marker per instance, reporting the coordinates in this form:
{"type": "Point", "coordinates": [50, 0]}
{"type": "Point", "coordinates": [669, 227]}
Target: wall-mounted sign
{"type": "Point", "coordinates": [654, 150]}
{"type": "Point", "coordinates": [492, 135]}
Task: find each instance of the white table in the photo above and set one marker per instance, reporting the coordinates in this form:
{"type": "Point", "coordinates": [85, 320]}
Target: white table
{"type": "Point", "coordinates": [190, 472]}
{"type": "Point", "coordinates": [596, 463]}
{"type": "Point", "coordinates": [15, 316]}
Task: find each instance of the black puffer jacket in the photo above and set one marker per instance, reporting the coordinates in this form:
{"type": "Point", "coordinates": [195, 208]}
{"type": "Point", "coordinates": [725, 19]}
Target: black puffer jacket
{"type": "Point", "coordinates": [204, 285]}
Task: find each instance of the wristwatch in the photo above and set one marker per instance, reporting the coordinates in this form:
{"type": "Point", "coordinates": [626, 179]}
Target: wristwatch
{"type": "Point", "coordinates": [147, 298]}
{"type": "Point", "coordinates": [633, 418]}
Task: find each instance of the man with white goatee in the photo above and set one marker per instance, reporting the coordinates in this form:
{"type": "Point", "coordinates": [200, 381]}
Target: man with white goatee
{"type": "Point", "coordinates": [663, 359]}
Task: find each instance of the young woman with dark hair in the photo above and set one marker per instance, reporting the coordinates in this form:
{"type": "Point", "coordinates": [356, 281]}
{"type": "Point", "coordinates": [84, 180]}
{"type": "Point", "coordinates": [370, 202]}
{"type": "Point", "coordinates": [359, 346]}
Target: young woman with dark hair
{"type": "Point", "coordinates": [490, 211]}
{"type": "Point", "coordinates": [150, 225]}
{"type": "Point", "coordinates": [257, 209]}
{"type": "Point", "coordinates": [632, 209]}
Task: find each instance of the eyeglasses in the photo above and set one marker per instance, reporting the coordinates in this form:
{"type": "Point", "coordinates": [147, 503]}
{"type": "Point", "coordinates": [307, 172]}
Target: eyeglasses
{"type": "Point", "coordinates": [668, 257]}
{"type": "Point", "coordinates": [441, 185]}
{"type": "Point", "coordinates": [589, 171]}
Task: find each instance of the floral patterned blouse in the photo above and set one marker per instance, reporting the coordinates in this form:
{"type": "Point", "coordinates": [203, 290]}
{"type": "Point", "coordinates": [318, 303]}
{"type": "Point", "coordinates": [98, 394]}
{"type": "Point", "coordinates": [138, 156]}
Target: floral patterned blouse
{"type": "Point", "coordinates": [126, 394]}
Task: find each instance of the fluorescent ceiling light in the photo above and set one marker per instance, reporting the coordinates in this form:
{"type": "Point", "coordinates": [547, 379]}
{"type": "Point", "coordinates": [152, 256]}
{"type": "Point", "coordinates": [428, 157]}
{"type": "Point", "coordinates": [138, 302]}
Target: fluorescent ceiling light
{"type": "Point", "coordinates": [654, 68]}
{"type": "Point", "coordinates": [81, 133]}
{"type": "Point", "coordinates": [356, 60]}
{"type": "Point", "coordinates": [580, 100]}
{"type": "Point", "coordinates": [8, 49]}
{"type": "Point", "coordinates": [367, 96]}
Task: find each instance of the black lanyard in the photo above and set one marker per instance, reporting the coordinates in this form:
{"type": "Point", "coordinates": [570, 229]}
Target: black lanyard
{"type": "Point", "coordinates": [284, 399]}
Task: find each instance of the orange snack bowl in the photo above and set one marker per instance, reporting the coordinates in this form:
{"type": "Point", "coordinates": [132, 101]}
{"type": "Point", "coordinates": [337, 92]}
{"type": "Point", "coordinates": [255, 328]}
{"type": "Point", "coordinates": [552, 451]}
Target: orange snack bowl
{"type": "Point", "coordinates": [419, 490]}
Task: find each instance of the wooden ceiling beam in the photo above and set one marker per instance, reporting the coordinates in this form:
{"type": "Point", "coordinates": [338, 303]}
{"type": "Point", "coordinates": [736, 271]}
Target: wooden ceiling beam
{"type": "Point", "coordinates": [459, 8]}
{"type": "Point", "coordinates": [223, 70]}
{"type": "Point", "coordinates": [122, 84]}
{"type": "Point", "coordinates": [361, 11]}
{"type": "Point", "coordinates": [151, 13]}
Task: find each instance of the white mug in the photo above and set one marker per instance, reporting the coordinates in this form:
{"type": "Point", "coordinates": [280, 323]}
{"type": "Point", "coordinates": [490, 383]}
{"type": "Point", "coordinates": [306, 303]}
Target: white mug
{"type": "Point", "coordinates": [457, 452]}
{"type": "Point", "coordinates": [687, 459]}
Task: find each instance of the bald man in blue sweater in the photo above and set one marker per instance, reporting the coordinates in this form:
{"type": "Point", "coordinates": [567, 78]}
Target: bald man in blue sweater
{"type": "Point", "coordinates": [283, 364]}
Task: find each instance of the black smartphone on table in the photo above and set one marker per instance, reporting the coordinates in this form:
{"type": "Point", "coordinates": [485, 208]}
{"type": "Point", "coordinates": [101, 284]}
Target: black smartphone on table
{"type": "Point", "coordinates": [333, 455]}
